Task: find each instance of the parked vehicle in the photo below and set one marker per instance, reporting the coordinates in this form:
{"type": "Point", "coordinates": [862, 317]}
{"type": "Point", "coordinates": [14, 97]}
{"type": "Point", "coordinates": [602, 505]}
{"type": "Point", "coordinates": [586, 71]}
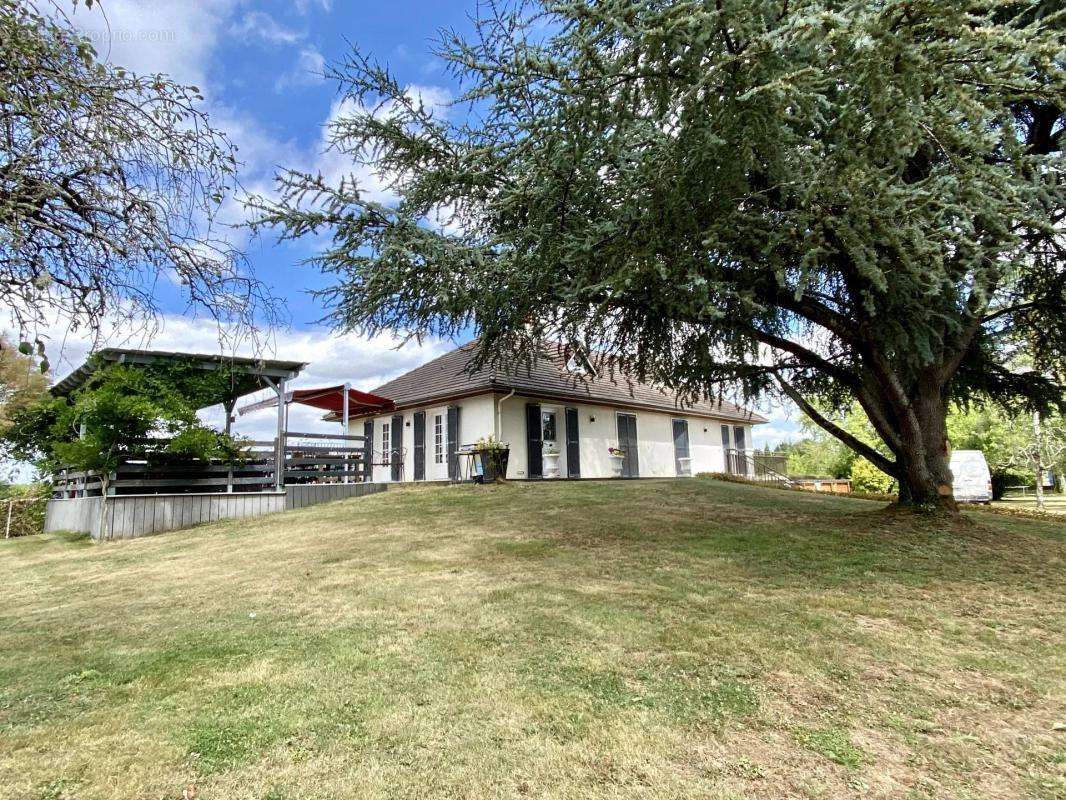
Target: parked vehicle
{"type": "Point", "coordinates": [972, 481]}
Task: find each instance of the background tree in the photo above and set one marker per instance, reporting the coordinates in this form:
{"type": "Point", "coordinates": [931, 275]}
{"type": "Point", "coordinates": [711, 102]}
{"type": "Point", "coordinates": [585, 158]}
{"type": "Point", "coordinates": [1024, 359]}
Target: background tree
{"type": "Point", "coordinates": [110, 186]}
{"type": "Point", "coordinates": [22, 381]}
{"type": "Point", "coordinates": [839, 201]}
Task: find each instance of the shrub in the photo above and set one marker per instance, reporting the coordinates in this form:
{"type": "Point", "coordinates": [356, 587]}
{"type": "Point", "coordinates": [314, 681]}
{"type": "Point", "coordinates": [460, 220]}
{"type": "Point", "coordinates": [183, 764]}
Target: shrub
{"type": "Point", "coordinates": [27, 515]}
{"type": "Point", "coordinates": [865, 477]}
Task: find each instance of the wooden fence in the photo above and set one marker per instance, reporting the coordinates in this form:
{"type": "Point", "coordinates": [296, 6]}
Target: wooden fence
{"type": "Point", "coordinates": [147, 470]}
{"type": "Point", "coordinates": [130, 516]}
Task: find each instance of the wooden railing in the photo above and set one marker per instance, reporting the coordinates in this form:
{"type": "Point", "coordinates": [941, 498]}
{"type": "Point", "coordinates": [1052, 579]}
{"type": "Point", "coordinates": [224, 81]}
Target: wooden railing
{"type": "Point", "coordinates": [324, 458]}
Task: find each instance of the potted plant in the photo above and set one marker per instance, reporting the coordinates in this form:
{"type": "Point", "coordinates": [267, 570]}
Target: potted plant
{"type": "Point", "coordinates": [618, 457]}
{"type": "Point", "coordinates": [493, 456]}
{"type": "Point", "coordinates": [550, 456]}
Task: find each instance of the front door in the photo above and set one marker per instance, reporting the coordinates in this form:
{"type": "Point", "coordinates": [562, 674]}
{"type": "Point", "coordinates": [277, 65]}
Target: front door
{"type": "Point", "coordinates": [627, 441]}
{"type": "Point", "coordinates": [728, 458]}
{"type": "Point", "coordinates": [682, 460]}
{"type": "Point", "coordinates": [741, 446]}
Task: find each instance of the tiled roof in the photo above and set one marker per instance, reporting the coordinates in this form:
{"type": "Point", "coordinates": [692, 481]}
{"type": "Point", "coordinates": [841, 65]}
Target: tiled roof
{"type": "Point", "coordinates": [444, 378]}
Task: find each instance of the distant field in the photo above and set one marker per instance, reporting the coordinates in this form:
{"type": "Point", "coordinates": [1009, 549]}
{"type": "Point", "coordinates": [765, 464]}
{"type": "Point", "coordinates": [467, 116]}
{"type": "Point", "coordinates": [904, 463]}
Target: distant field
{"type": "Point", "coordinates": [653, 639]}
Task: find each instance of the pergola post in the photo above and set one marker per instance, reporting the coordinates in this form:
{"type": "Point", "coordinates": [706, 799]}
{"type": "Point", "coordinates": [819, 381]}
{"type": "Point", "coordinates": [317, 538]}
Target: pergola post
{"type": "Point", "coordinates": [279, 473]}
{"type": "Point", "coordinates": [344, 426]}
{"type": "Point", "coordinates": [228, 407]}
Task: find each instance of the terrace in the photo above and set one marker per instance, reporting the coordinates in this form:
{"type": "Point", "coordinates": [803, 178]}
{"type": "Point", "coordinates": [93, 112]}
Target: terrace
{"type": "Point", "coordinates": [152, 490]}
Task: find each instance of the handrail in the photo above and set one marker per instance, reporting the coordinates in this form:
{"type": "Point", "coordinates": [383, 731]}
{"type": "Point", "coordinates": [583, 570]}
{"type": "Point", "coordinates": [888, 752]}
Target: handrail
{"type": "Point", "coordinates": [733, 455]}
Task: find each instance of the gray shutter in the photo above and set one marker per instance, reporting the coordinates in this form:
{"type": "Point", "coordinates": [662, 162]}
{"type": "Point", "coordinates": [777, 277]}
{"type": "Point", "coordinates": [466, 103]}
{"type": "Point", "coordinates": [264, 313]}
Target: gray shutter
{"type": "Point", "coordinates": [368, 450]}
{"type": "Point", "coordinates": [420, 446]}
{"type": "Point", "coordinates": [534, 445]}
{"type": "Point", "coordinates": [396, 456]}
{"type": "Point", "coordinates": [633, 451]}
{"type": "Point", "coordinates": [627, 440]}
{"type": "Point", "coordinates": [453, 443]}
{"type": "Point", "coordinates": [573, 445]}
{"type": "Point", "coordinates": [681, 449]}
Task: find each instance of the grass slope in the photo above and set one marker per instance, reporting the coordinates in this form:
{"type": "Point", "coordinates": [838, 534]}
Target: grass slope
{"type": "Point", "coordinates": [637, 639]}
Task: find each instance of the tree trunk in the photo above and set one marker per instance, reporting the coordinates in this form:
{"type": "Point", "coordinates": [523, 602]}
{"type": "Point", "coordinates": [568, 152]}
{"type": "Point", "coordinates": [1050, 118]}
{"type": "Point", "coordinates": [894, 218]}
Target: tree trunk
{"type": "Point", "coordinates": [925, 478]}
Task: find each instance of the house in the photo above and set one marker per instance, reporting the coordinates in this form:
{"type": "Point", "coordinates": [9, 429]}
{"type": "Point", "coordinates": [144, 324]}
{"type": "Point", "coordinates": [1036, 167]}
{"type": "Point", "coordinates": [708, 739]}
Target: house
{"type": "Point", "coordinates": [553, 407]}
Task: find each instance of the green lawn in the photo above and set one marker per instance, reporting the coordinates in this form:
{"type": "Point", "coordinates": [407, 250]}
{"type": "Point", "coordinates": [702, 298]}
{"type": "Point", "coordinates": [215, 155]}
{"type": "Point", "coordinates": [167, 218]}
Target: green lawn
{"type": "Point", "coordinates": [571, 640]}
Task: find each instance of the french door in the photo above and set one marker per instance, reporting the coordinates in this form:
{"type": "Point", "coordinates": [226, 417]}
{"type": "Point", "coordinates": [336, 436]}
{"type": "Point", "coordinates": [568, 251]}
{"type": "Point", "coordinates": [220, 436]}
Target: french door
{"type": "Point", "coordinates": [682, 459]}
{"type": "Point", "coordinates": [627, 441]}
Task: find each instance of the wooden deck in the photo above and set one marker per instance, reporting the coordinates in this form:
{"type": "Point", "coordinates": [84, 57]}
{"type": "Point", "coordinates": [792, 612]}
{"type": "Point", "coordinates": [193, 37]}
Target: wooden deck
{"type": "Point", "coordinates": [153, 491]}
{"type": "Point", "coordinates": [309, 458]}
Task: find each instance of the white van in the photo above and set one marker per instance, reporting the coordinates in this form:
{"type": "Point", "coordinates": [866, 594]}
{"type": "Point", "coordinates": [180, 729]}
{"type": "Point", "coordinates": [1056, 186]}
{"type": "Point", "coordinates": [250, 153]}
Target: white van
{"type": "Point", "coordinates": [972, 481]}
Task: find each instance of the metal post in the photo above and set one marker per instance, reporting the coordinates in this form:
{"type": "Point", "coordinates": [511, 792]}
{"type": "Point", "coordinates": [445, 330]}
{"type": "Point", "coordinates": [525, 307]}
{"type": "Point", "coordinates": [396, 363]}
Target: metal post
{"type": "Point", "coordinates": [344, 428]}
{"type": "Point", "coordinates": [279, 475]}
{"type": "Point", "coordinates": [229, 421]}
{"type": "Point", "coordinates": [7, 530]}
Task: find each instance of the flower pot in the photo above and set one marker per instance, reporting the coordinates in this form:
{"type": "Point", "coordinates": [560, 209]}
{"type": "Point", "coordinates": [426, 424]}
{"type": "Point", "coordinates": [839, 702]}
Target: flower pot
{"type": "Point", "coordinates": [684, 465]}
{"type": "Point", "coordinates": [550, 463]}
{"type": "Point", "coordinates": [494, 464]}
{"type": "Point", "coordinates": [616, 465]}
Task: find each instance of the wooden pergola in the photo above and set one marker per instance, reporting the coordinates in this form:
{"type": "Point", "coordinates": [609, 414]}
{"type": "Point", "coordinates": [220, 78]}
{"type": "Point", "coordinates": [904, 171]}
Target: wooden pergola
{"type": "Point", "coordinates": [247, 375]}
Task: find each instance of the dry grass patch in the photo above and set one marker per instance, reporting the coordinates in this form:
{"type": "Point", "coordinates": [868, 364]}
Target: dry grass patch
{"type": "Point", "coordinates": [569, 640]}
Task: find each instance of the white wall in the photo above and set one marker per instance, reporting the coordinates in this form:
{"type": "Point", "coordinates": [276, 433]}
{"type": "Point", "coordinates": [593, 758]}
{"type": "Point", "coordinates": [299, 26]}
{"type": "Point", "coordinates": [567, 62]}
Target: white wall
{"type": "Point", "coordinates": [597, 426]}
{"type": "Point", "coordinates": [598, 431]}
{"type": "Point", "coordinates": [476, 421]}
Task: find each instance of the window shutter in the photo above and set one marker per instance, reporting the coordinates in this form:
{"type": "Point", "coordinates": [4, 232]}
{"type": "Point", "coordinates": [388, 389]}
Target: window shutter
{"type": "Point", "coordinates": [368, 450]}
{"type": "Point", "coordinates": [453, 443]}
{"type": "Point", "coordinates": [573, 445]}
{"type": "Point", "coordinates": [420, 446]}
{"type": "Point", "coordinates": [396, 456]}
{"type": "Point", "coordinates": [627, 440]}
{"type": "Point", "coordinates": [534, 445]}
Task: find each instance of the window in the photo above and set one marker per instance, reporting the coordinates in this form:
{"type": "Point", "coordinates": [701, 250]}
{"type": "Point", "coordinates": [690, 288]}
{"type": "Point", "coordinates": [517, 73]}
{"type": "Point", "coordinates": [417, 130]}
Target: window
{"type": "Point", "coordinates": [386, 442]}
{"type": "Point", "coordinates": [739, 438]}
{"type": "Point", "coordinates": [438, 439]}
{"type": "Point", "coordinates": [725, 437]}
{"type": "Point", "coordinates": [547, 430]}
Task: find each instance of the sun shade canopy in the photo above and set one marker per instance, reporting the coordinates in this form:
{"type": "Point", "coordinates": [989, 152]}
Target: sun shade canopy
{"type": "Point", "coordinates": [328, 398]}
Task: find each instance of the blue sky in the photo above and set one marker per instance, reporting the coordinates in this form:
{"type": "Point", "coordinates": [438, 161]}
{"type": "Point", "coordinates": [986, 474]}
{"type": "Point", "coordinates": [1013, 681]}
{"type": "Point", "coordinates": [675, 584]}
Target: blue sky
{"type": "Point", "coordinates": [258, 65]}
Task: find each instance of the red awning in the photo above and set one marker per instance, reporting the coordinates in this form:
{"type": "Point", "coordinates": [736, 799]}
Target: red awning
{"type": "Point", "coordinates": [331, 398]}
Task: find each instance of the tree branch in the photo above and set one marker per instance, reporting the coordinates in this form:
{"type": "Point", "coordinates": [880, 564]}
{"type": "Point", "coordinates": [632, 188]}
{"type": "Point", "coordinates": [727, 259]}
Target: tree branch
{"type": "Point", "coordinates": [856, 444]}
{"type": "Point", "coordinates": [807, 356]}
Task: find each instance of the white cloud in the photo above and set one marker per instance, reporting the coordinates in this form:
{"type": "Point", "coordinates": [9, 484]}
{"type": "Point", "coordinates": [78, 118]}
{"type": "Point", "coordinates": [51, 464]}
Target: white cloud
{"type": "Point", "coordinates": [304, 6]}
{"type": "Point", "coordinates": [308, 71]}
{"type": "Point", "coordinates": [175, 38]}
{"type": "Point", "coordinates": [262, 26]}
